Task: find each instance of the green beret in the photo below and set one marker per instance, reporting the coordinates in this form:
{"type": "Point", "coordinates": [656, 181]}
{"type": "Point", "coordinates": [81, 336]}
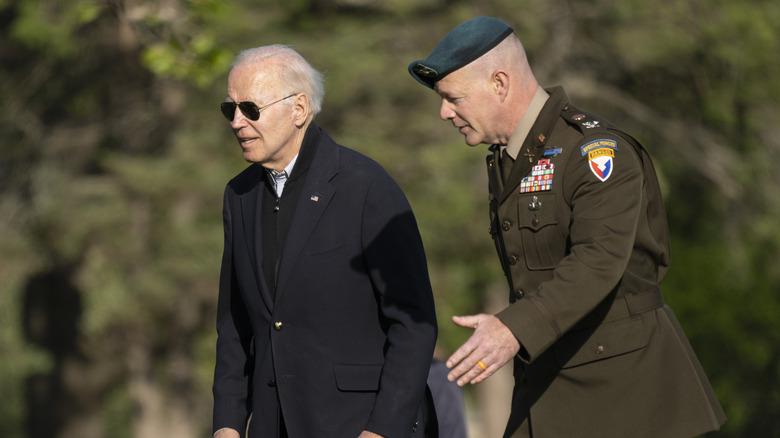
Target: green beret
{"type": "Point", "coordinates": [463, 45]}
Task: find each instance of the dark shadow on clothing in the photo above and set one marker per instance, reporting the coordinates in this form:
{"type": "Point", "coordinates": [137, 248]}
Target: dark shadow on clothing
{"type": "Point", "coordinates": [384, 247]}
{"type": "Point", "coordinates": [384, 258]}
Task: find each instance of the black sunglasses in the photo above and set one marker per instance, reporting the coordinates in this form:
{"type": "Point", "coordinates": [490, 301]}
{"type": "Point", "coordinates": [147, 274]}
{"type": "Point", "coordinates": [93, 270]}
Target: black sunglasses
{"type": "Point", "coordinates": [249, 109]}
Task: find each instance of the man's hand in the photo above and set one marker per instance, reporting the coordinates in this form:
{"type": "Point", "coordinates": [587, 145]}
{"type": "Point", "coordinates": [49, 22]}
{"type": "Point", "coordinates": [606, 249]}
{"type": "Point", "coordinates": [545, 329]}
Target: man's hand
{"type": "Point", "coordinates": [226, 433]}
{"type": "Point", "coordinates": [492, 345]}
{"type": "Point", "coordinates": [367, 434]}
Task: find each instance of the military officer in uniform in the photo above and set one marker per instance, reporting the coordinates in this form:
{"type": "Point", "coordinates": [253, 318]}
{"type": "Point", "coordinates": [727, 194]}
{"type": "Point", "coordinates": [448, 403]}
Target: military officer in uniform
{"type": "Point", "coordinates": [580, 229]}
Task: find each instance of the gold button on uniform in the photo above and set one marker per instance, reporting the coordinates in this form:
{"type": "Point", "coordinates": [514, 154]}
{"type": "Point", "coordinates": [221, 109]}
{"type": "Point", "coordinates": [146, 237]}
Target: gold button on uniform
{"type": "Point", "coordinates": [278, 326]}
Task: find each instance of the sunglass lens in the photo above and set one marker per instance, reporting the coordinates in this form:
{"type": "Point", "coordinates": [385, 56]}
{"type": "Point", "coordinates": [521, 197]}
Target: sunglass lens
{"type": "Point", "coordinates": [250, 110]}
{"type": "Point", "coordinates": [228, 110]}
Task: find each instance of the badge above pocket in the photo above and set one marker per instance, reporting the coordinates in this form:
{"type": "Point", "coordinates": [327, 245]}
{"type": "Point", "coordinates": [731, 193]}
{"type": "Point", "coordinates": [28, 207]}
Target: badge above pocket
{"type": "Point", "coordinates": [543, 244]}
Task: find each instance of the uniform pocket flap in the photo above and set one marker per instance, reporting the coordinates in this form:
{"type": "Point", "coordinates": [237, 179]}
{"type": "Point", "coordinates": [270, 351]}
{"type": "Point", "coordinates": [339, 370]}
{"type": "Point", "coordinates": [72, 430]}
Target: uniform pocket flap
{"type": "Point", "coordinates": [358, 377]}
{"type": "Point", "coordinates": [536, 211]}
{"type": "Point", "coordinates": [601, 342]}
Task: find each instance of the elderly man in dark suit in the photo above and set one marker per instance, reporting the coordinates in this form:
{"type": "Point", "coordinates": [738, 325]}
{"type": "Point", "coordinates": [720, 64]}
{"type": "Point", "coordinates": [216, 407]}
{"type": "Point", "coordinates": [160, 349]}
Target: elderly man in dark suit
{"type": "Point", "coordinates": [579, 226]}
{"type": "Point", "coordinates": [326, 324]}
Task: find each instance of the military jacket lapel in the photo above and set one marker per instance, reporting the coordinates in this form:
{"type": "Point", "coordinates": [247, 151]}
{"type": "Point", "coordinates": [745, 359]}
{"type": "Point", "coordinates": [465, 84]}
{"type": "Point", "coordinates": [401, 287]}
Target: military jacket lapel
{"type": "Point", "coordinates": [494, 172]}
{"type": "Point", "coordinates": [533, 146]}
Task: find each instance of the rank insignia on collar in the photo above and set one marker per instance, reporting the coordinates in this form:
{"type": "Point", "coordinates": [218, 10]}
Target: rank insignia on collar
{"type": "Point", "coordinates": [600, 157]}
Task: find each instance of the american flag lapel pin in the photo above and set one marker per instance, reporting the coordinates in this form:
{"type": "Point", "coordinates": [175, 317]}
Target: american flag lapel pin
{"type": "Point", "coordinates": [315, 197]}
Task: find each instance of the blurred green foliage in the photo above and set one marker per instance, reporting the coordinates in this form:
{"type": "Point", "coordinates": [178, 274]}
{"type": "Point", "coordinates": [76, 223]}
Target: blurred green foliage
{"type": "Point", "coordinates": [113, 159]}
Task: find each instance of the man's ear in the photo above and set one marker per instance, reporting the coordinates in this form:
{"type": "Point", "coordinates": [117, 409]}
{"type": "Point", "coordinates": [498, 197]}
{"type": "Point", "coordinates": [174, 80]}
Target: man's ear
{"type": "Point", "coordinates": [499, 80]}
{"type": "Point", "coordinates": [301, 109]}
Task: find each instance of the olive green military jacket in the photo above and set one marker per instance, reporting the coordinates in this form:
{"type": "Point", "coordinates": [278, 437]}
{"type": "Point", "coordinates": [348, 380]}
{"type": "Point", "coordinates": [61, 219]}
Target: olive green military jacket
{"type": "Point", "coordinates": [580, 228]}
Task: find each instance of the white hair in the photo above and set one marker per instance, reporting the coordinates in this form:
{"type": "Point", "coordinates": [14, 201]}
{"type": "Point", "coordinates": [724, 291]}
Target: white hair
{"type": "Point", "coordinates": [295, 72]}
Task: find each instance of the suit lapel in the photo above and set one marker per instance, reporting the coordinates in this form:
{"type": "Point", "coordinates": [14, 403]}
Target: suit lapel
{"type": "Point", "coordinates": [251, 204]}
{"type": "Point", "coordinates": [317, 192]}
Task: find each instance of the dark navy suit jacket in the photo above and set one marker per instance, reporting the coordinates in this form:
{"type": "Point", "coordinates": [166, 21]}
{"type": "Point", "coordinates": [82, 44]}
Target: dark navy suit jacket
{"type": "Point", "coordinates": [346, 342]}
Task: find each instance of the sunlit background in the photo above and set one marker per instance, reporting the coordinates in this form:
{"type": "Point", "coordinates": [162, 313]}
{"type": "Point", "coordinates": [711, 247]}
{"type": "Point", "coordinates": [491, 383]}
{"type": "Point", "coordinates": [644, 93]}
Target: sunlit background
{"type": "Point", "coordinates": [114, 157]}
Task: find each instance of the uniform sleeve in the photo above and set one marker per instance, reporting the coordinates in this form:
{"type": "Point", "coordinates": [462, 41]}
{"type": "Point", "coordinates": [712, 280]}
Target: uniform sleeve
{"type": "Point", "coordinates": [394, 254]}
{"type": "Point", "coordinates": [232, 370]}
{"type": "Point", "coordinates": [602, 230]}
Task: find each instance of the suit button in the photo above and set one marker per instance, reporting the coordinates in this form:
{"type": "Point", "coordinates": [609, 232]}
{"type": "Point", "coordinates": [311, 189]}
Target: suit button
{"type": "Point", "coordinates": [513, 260]}
{"type": "Point", "coordinates": [278, 326]}
{"type": "Point", "coordinates": [506, 225]}
{"type": "Point", "coordinates": [272, 383]}
{"type": "Point", "coordinates": [519, 293]}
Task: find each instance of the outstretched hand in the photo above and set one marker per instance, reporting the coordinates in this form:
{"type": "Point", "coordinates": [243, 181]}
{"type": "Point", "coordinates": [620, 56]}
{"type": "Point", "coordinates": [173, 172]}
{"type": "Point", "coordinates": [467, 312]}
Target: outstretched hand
{"type": "Point", "coordinates": [492, 345]}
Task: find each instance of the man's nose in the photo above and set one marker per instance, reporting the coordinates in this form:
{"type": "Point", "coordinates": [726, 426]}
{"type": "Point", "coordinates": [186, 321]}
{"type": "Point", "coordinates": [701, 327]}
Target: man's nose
{"type": "Point", "coordinates": [445, 112]}
{"type": "Point", "coordinates": [239, 119]}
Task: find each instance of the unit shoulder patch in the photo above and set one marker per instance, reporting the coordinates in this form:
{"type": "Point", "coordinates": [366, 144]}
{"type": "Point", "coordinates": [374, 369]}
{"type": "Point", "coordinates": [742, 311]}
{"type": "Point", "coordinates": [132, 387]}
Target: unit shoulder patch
{"type": "Point", "coordinates": [601, 154]}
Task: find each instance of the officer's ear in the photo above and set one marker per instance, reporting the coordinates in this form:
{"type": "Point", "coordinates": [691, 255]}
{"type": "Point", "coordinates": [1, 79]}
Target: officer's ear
{"type": "Point", "coordinates": [499, 82]}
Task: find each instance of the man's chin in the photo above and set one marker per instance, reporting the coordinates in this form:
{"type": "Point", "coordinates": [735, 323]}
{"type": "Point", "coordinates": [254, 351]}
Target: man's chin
{"type": "Point", "coordinates": [472, 142]}
{"type": "Point", "coordinates": [250, 158]}
{"type": "Point", "coordinates": [471, 138]}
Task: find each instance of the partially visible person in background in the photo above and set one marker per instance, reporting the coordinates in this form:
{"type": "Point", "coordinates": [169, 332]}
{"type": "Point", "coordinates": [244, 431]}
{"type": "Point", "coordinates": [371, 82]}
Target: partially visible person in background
{"type": "Point", "coordinates": [580, 230]}
{"type": "Point", "coordinates": [448, 401]}
{"type": "Point", "coordinates": [326, 322]}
